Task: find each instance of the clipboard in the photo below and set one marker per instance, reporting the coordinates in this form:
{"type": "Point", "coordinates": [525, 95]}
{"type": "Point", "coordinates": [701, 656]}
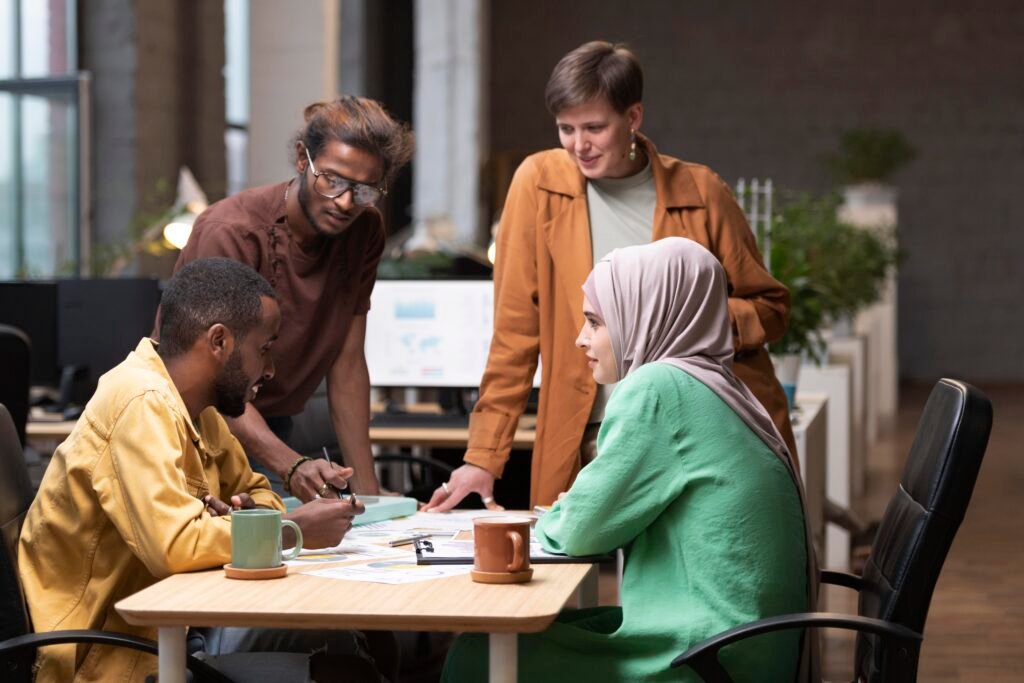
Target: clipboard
{"type": "Point", "coordinates": [426, 554]}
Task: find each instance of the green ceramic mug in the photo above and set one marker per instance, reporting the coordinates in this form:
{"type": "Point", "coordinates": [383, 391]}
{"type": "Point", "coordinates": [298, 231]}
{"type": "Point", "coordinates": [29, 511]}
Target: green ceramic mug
{"type": "Point", "coordinates": [256, 539]}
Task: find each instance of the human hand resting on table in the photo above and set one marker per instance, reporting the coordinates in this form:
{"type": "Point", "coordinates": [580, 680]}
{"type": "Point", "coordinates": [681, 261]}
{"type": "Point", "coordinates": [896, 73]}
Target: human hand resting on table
{"type": "Point", "coordinates": [324, 522]}
{"type": "Point", "coordinates": [316, 477]}
{"type": "Point", "coordinates": [464, 481]}
{"type": "Point", "coordinates": [217, 507]}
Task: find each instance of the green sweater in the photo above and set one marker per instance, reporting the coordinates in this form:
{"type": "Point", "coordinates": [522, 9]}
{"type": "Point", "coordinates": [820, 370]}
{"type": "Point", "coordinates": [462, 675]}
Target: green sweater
{"type": "Point", "coordinates": [713, 528]}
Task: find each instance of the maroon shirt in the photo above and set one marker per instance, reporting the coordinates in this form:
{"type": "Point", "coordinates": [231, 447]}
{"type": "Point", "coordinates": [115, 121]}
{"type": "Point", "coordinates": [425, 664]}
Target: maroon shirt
{"type": "Point", "coordinates": [319, 291]}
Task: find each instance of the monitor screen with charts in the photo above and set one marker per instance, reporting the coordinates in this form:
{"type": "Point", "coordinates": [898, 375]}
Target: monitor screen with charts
{"type": "Point", "coordinates": [430, 333]}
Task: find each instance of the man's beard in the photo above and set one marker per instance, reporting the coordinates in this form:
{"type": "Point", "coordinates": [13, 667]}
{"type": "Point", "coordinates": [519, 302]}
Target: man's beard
{"type": "Point", "coordinates": [231, 387]}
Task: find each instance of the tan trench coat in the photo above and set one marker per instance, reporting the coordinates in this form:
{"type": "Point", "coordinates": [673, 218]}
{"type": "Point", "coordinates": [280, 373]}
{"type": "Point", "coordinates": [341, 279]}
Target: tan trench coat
{"type": "Point", "coordinates": [544, 254]}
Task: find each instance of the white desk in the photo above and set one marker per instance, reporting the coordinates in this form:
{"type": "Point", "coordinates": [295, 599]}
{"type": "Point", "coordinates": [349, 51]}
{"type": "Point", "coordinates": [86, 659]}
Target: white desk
{"type": "Point", "coordinates": [852, 351]}
{"type": "Point", "coordinates": [834, 382]}
{"type": "Point", "coordinates": [810, 422]}
{"type": "Point", "coordinates": [878, 323]}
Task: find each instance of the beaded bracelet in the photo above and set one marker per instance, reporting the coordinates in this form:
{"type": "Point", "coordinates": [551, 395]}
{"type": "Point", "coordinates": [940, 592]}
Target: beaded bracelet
{"type": "Point", "coordinates": [291, 471]}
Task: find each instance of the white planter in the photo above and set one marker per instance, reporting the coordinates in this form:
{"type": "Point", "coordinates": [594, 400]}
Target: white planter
{"type": "Point", "coordinates": [787, 370]}
{"type": "Point", "coordinates": [874, 205]}
{"type": "Point", "coordinates": [869, 205]}
{"type": "Point", "coordinates": [842, 326]}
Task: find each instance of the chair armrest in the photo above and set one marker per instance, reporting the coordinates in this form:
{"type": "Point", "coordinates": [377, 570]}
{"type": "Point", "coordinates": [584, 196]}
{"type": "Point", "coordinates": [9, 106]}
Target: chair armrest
{"type": "Point", "coordinates": [703, 657]}
{"type": "Point", "coordinates": [204, 671]}
{"type": "Point", "coordinates": [842, 579]}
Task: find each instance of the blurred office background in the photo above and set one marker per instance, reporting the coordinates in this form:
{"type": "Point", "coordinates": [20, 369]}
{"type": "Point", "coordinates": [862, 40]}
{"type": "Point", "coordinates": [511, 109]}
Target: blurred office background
{"type": "Point", "coordinates": [102, 102]}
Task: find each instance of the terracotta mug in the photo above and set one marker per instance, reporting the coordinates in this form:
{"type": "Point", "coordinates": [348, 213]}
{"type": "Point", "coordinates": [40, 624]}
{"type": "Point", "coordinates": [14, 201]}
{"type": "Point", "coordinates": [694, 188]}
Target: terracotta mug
{"type": "Point", "coordinates": [501, 550]}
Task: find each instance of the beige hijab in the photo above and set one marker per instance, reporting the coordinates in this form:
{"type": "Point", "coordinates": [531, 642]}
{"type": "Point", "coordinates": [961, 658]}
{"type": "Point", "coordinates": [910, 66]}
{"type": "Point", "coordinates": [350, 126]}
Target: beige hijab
{"type": "Point", "coordinates": [667, 302]}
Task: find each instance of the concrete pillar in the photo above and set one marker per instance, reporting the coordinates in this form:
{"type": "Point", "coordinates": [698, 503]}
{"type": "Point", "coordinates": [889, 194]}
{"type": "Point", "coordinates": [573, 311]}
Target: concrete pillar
{"type": "Point", "coordinates": [450, 121]}
{"type": "Point", "coordinates": [158, 104]}
{"type": "Point", "coordinates": [293, 62]}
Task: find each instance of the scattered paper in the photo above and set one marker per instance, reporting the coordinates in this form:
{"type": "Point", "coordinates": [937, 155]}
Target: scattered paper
{"type": "Point", "coordinates": [376, 561]}
{"type": "Point", "coordinates": [347, 551]}
{"type": "Point", "coordinates": [397, 571]}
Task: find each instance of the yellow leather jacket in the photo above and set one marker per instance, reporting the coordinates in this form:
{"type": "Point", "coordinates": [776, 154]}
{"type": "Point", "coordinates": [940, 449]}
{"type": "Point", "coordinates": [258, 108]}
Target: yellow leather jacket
{"type": "Point", "coordinates": [120, 508]}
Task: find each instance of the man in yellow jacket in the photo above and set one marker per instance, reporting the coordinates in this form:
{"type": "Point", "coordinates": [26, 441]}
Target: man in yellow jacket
{"type": "Point", "coordinates": [126, 499]}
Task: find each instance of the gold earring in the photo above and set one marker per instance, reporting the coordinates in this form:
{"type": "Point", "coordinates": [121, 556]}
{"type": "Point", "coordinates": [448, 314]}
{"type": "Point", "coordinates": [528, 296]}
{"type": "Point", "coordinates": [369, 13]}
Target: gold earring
{"type": "Point", "coordinates": [632, 144]}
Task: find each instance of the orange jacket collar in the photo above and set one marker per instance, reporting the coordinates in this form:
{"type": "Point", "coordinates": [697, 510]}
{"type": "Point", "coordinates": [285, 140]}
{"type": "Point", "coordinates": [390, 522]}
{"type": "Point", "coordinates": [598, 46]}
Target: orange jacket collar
{"type": "Point", "coordinates": [673, 183]}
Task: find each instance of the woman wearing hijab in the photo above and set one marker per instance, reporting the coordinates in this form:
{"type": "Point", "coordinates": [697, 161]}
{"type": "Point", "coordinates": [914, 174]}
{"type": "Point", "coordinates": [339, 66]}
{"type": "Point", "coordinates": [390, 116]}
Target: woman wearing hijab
{"type": "Point", "coordinates": [691, 477]}
{"type": "Point", "coordinates": [605, 187]}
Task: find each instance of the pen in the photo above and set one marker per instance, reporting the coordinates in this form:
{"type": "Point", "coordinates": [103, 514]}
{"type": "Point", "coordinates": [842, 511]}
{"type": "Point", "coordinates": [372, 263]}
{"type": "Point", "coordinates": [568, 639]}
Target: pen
{"type": "Point", "coordinates": [406, 540]}
{"type": "Point", "coordinates": [351, 495]}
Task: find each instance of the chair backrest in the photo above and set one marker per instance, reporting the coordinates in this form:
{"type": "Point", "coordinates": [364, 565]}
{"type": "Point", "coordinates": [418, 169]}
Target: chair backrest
{"type": "Point", "coordinates": [920, 522]}
{"type": "Point", "coordinates": [15, 498]}
{"type": "Point", "coordinates": [15, 366]}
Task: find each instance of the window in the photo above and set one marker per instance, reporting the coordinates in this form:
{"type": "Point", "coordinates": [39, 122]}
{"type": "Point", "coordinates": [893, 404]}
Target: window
{"type": "Point", "coordinates": [43, 101]}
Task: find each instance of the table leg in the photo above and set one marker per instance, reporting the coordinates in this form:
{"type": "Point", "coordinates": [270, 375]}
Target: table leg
{"type": "Point", "coordinates": [504, 658]}
{"type": "Point", "coordinates": [620, 566]}
{"type": "Point", "coordinates": [171, 649]}
{"type": "Point", "coordinates": [587, 592]}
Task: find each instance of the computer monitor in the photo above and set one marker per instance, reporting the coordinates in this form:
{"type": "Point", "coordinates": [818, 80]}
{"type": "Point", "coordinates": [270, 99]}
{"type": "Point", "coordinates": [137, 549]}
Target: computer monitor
{"type": "Point", "coordinates": [430, 333]}
{"type": "Point", "coordinates": [100, 321]}
{"type": "Point", "coordinates": [31, 306]}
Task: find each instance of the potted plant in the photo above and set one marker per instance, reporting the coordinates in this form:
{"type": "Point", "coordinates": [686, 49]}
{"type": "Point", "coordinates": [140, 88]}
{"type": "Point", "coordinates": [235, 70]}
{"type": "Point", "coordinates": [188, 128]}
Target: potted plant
{"type": "Point", "coordinates": [870, 155]}
{"type": "Point", "coordinates": [796, 246]}
{"type": "Point", "coordinates": [866, 160]}
{"type": "Point", "coordinates": [832, 270]}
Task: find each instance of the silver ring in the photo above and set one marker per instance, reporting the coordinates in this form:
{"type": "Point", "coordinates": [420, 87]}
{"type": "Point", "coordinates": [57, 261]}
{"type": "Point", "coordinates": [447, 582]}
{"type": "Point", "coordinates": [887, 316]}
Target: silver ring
{"type": "Point", "coordinates": [444, 485]}
{"type": "Point", "coordinates": [488, 499]}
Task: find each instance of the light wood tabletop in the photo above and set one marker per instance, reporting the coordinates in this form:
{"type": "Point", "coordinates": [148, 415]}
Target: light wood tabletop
{"type": "Point", "coordinates": [437, 437]}
{"type": "Point", "coordinates": [310, 602]}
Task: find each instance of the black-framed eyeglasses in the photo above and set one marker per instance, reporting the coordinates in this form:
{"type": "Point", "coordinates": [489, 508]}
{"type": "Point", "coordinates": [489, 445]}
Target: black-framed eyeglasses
{"type": "Point", "coordinates": [332, 186]}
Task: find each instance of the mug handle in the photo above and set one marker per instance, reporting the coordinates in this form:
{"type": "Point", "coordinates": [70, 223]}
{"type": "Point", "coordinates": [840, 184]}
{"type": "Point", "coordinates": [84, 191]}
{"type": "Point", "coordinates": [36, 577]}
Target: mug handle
{"type": "Point", "coordinates": [294, 552]}
{"type": "Point", "coordinates": [517, 552]}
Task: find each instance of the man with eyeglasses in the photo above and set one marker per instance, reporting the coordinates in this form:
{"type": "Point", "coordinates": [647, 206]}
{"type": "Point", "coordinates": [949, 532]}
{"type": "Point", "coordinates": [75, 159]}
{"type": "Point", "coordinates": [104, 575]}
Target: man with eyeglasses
{"type": "Point", "coordinates": [317, 238]}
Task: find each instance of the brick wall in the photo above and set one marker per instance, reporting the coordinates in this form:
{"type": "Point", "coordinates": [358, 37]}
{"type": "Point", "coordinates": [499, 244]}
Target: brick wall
{"type": "Point", "coordinates": [763, 89]}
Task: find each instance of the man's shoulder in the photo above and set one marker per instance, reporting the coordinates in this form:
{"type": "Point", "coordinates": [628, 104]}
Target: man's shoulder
{"type": "Point", "coordinates": [246, 210]}
{"type": "Point", "coordinates": [131, 384]}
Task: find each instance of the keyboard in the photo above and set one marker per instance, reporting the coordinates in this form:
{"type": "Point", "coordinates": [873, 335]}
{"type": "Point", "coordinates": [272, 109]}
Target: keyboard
{"type": "Point", "coordinates": [399, 419]}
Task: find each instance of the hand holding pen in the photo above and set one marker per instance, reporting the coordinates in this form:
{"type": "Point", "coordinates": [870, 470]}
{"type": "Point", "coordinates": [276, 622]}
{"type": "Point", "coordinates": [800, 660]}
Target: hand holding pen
{"type": "Point", "coordinates": [307, 477]}
{"type": "Point", "coordinates": [327, 489]}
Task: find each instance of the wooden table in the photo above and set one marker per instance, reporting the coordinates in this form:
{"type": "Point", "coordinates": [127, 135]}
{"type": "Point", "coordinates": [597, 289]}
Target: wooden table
{"type": "Point", "coordinates": [446, 437]}
{"type": "Point", "coordinates": [436, 437]}
{"type": "Point", "coordinates": [310, 602]}
{"type": "Point", "coordinates": [48, 430]}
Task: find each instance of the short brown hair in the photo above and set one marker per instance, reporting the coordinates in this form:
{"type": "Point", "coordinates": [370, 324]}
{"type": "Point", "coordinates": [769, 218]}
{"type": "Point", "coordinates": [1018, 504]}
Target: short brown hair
{"type": "Point", "coordinates": [359, 122]}
{"type": "Point", "coordinates": [595, 70]}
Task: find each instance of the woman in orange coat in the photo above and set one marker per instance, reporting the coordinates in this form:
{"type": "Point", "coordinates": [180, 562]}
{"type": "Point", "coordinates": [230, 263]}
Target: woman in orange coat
{"type": "Point", "coordinates": [607, 187]}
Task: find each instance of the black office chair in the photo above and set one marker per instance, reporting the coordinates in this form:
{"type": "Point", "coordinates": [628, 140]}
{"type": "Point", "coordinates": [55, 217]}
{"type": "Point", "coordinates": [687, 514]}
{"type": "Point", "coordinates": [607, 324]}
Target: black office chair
{"type": "Point", "coordinates": [912, 542]}
{"type": "Point", "coordinates": [15, 366]}
{"type": "Point", "coordinates": [17, 641]}
{"type": "Point", "coordinates": [422, 476]}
